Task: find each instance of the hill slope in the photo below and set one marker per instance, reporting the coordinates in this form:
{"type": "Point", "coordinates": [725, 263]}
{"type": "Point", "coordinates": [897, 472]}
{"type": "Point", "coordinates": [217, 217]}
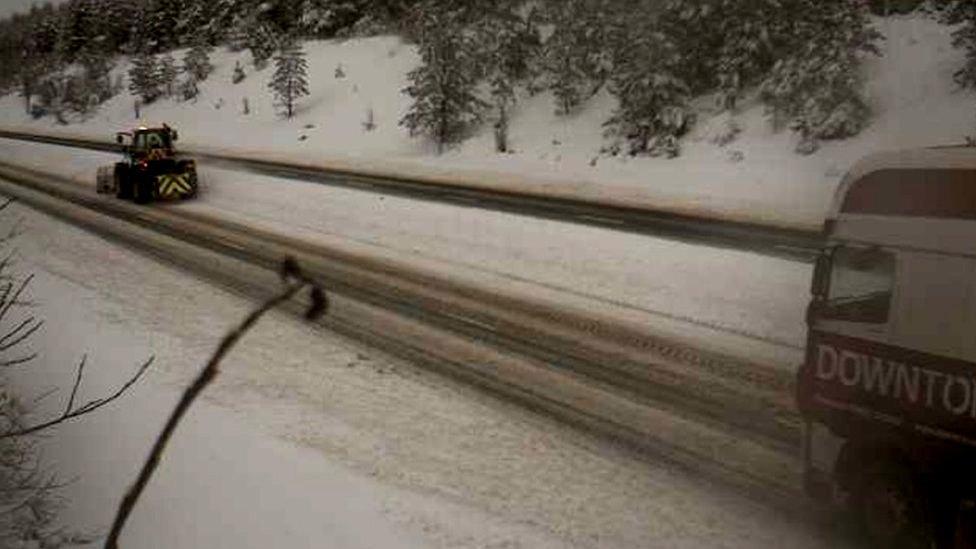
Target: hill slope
{"type": "Point", "coordinates": [758, 176]}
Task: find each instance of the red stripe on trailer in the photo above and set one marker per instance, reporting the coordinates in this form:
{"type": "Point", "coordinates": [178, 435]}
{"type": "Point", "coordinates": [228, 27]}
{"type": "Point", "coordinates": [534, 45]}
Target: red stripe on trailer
{"type": "Point", "coordinates": [947, 193]}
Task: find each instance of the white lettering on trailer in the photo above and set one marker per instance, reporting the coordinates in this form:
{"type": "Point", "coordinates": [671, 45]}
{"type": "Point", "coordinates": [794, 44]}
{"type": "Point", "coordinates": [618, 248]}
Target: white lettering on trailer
{"type": "Point", "coordinates": [957, 381]}
{"type": "Point", "coordinates": [956, 395]}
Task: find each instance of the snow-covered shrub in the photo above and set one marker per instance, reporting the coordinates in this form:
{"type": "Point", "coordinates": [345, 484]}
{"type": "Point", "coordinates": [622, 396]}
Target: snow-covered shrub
{"type": "Point", "coordinates": [188, 89]}
{"type": "Point", "coordinates": [369, 124]}
{"type": "Point", "coordinates": [727, 131]}
{"type": "Point", "coordinates": [239, 74]}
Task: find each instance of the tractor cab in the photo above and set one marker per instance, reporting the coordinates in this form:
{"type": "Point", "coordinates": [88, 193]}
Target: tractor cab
{"type": "Point", "coordinates": [149, 143]}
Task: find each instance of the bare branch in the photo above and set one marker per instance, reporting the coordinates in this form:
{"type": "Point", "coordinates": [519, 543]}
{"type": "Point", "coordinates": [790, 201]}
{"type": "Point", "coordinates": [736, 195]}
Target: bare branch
{"type": "Point", "coordinates": [14, 331]}
{"type": "Point", "coordinates": [74, 390]}
{"type": "Point", "coordinates": [70, 413]}
{"type": "Point", "coordinates": [16, 361]}
{"type": "Point", "coordinates": [4, 344]}
{"type": "Point", "coordinates": [294, 281]}
{"type": "Point", "coordinates": [16, 297]}
{"type": "Point", "coordinates": [43, 396]}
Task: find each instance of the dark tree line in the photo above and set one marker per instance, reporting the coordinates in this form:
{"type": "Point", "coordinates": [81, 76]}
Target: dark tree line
{"type": "Point", "coordinates": [801, 56]}
{"type": "Point", "coordinates": [51, 36]}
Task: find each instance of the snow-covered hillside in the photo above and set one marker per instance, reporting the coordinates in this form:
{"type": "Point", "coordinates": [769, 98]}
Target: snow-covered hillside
{"type": "Point", "coordinates": [758, 176]}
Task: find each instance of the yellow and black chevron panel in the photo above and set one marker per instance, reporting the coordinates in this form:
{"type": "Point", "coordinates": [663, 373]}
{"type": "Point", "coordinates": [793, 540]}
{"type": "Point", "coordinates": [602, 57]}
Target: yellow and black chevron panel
{"type": "Point", "coordinates": [174, 185]}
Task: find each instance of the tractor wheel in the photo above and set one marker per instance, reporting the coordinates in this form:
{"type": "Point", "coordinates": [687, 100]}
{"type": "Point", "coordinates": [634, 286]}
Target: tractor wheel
{"type": "Point", "coordinates": [894, 510]}
{"type": "Point", "coordinates": [123, 181]}
{"type": "Point", "coordinates": [143, 189]}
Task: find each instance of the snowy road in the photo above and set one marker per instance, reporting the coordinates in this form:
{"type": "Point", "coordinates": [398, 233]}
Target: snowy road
{"type": "Point", "coordinates": [673, 287]}
{"type": "Point", "coordinates": [309, 439]}
{"type": "Point", "coordinates": [688, 226]}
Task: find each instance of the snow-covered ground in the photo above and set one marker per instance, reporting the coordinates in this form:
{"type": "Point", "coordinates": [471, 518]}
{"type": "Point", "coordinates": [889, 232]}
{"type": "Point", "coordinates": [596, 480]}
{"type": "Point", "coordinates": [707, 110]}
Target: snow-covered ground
{"type": "Point", "coordinates": [310, 440]}
{"type": "Point", "coordinates": [670, 286]}
{"type": "Point", "coordinates": [911, 91]}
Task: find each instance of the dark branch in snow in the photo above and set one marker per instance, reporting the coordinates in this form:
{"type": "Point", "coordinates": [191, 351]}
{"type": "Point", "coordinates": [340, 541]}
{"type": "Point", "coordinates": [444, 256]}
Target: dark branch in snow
{"type": "Point", "coordinates": [70, 412]}
{"type": "Point", "coordinates": [294, 280]}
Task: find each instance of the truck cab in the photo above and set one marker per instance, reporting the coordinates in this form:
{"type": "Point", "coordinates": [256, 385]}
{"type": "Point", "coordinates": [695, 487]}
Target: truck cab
{"type": "Point", "coordinates": [887, 389]}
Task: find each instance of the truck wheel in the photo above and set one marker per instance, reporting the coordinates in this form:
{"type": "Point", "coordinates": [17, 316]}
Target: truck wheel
{"type": "Point", "coordinates": [123, 182]}
{"type": "Point", "coordinates": [143, 191]}
{"type": "Point", "coordinates": [895, 512]}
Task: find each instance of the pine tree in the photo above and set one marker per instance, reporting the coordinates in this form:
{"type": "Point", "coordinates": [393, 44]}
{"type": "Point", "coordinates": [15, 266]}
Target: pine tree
{"type": "Point", "coordinates": [168, 73]}
{"type": "Point", "coordinates": [161, 23]}
{"type": "Point", "coordinates": [290, 79]}
{"type": "Point", "coordinates": [262, 42]}
{"type": "Point", "coordinates": [963, 13]}
{"type": "Point", "coordinates": [144, 79]}
{"type": "Point", "coordinates": [445, 105]}
{"type": "Point", "coordinates": [96, 83]}
{"type": "Point", "coordinates": [752, 32]}
{"type": "Point", "coordinates": [196, 62]}
{"type": "Point", "coordinates": [323, 18]}
{"type": "Point", "coordinates": [509, 46]}
{"type": "Point", "coordinates": [575, 55]}
{"type": "Point", "coordinates": [817, 89]}
{"type": "Point", "coordinates": [199, 20]}
{"type": "Point", "coordinates": [652, 112]}
{"type": "Point", "coordinates": [196, 68]}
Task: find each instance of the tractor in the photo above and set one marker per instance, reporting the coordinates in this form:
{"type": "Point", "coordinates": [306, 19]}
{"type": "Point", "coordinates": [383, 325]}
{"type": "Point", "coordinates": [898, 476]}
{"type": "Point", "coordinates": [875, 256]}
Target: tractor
{"type": "Point", "coordinates": [151, 169]}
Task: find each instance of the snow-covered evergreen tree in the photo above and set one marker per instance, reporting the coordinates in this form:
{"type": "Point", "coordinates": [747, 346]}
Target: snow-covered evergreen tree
{"type": "Point", "coordinates": [196, 68]}
{"type": "Point", "coordinates": [963, 13]}
{"type": "Point", "coordinates": [196, 61]}
{"type": "Point", "coordinates": [168, 73]}
{"type": "Point", "coordinates": [161, 22]}
{"type": "Point", "coordinates": [817, 90]}
{"type": "Point", "coordinates": [144, 78]}
{"type": "Point", "coordinates": [96, 80]}
{"type": "Point", "coordinates": [752, 32]}
{"type": "Point", "coordinates": [290, 80]}
{"type": "Point", "coordinates": [443, 88]}
{"type": "Point", "coordinates": [509, 45]}
{"type": "Point", "coordinates": [262, 42]}
{"type": "Point", "coordinates": [652, 112]}
{"type": "Point", "coordinates": [323, 18]}
{"type": "Point", "coordinates": [575, 54]}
